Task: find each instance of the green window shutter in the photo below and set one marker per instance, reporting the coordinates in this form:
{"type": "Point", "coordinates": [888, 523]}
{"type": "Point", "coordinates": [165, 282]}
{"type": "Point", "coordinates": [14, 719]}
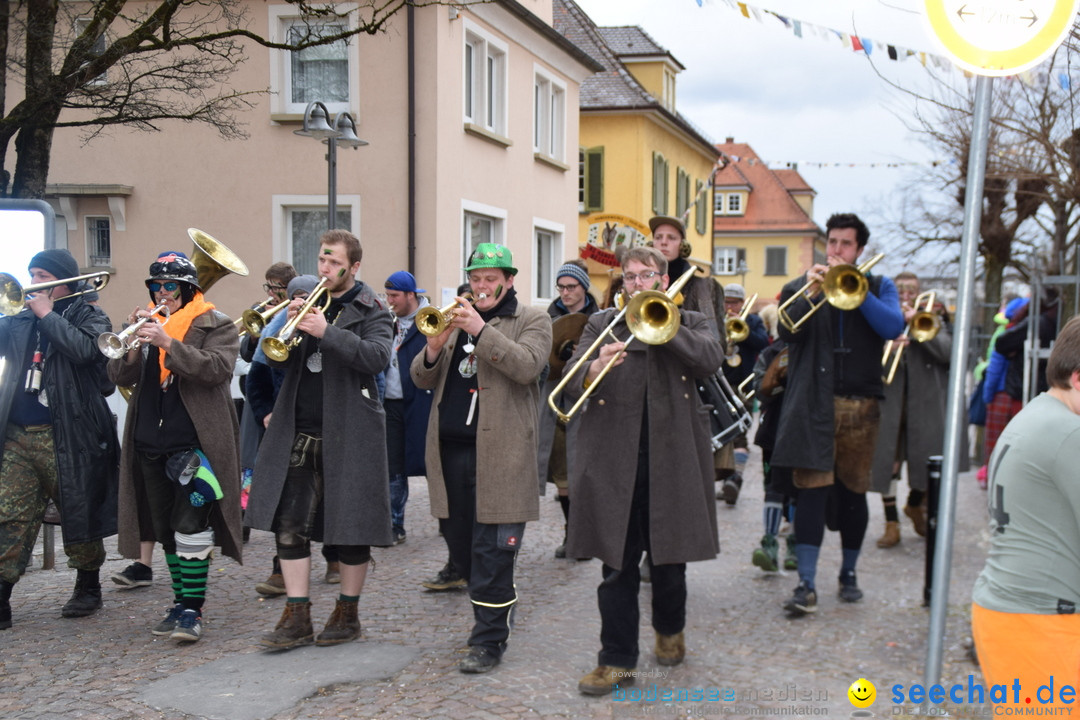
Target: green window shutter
{"type": "Point", "coordinates": [594, 179]}
{"type": "Point", "coordinates": [657, 182]}
{"type": "Point", "coordinates": [680, 191]}
{"type": "Point", "coordinates": [664, 201]}
{"type": "Point", "coordinates": [701, 199]}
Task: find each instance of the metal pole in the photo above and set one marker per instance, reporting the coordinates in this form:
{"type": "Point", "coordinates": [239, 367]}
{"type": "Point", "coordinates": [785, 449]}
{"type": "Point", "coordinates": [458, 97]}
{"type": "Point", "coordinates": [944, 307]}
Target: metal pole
{"type": "Point", "coordinates": [955, 417]}
{"type": "Point", "coordinates": [331, 195]}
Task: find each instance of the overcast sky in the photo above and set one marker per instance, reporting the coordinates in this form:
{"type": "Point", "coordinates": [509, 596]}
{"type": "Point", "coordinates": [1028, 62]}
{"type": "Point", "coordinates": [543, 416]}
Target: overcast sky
{"type": "Point", "coordinates": [808, 100]}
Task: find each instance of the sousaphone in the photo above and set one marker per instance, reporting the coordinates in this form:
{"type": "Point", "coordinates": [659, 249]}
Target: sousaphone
{"type": "Point", "coordinates": [213, 260]}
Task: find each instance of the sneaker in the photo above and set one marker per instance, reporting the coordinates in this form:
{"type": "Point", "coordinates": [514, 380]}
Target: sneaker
{"type": "Point", "coordinates": [479, 660]}
{"type": "Point", "coordinates": [730, 489]}
{"type": "Point", "coordinates": [791, 560]}
{"type": "Point", "coordinates": [980, 477]}
{"type": "Point", "coordinates": [134, 575]}
{"type": "Point", "coordinates": [604, 679]}
{"type": "Point", "coordinates": [446, 579]}
{"type": "Point", "coordinates": [189, 628]}
{"type": "Point", "coordinates": [802, 601]}
{"type": "Point", "coordinates": [399, 536]}
{"type": "Point", "coordinates": [849, 588]}
{"type": "Point", "coordinates": [168, 624]}
{"type": "Point", "coordinates": [765, 557]}
{"type": "Point", "coordinates": [333, 573]}
{"type": "Point", "coordinates": [271, 586]}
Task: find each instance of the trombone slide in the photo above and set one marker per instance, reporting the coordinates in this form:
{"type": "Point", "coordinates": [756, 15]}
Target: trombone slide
{"type": "Point", "coordinates": [844, 287]}
{"type": "Point", "coordinates": [923, 327]}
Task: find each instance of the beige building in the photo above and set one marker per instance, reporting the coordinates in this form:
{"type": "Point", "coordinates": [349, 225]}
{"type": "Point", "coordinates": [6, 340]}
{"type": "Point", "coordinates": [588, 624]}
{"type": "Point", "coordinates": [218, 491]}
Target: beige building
{"type": "Point", "coordinates": [490, 135]}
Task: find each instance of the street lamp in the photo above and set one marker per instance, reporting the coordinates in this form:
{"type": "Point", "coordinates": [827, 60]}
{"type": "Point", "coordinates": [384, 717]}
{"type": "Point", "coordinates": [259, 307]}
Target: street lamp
{"type": "Point", "coordinates": [343, 131]}
{"type": "Point", "coordinates": [742, 270]}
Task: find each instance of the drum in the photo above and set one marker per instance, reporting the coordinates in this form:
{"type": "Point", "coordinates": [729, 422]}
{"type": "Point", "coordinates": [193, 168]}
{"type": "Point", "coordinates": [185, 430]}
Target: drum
{"type": "Point", "coordinates": [730, 417]}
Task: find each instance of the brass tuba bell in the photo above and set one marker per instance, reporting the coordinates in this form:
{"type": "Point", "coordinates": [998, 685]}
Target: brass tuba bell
{"type": "Point", "coordinates": [213, 260]}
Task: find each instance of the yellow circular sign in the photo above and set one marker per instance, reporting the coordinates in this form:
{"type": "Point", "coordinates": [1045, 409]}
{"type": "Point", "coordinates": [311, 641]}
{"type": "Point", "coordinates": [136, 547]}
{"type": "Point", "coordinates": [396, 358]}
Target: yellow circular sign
{"type": "Point", "coordinates": [1000, 37]}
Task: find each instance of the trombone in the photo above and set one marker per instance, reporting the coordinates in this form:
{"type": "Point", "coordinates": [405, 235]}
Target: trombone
{"type": "Point", "coordinates": [737, 328]}
{"type": "Point", "coordinates": [277, 347]}
{"type": "Point", "coordinates": [13, 293]}
{"type": "Point", "coordinates": [651, 316]}
{"type": "Point", "coordinates": [845, 287]}
{"type": "Point", "coordinates": [923, 327]}
{"type": "Point", "coordinates": [115, 345]}
{"type": "Point", "coordinates": [253, 320]}
{"type": "Point", "coordinates": [432, 320]}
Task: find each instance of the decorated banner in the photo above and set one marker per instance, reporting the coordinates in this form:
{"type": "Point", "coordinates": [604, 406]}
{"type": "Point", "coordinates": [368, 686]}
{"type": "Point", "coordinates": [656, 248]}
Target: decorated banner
{"type": "Point", "coordinates": [608, 232]}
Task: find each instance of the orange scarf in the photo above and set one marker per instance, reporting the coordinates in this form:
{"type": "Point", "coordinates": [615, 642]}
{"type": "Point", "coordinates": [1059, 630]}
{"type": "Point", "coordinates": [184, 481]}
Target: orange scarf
{"type": "Point", "coordinates": [178, 324]}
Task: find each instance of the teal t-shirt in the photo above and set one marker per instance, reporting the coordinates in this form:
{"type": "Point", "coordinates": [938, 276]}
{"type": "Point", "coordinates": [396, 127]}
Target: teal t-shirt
{"type": "Point", "coordinates": [1034, 498]}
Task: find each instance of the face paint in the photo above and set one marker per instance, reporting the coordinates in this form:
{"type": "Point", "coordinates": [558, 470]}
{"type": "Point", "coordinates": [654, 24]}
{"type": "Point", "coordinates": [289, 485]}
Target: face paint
{"type": "Point", "coordinates": [326, 251]}
{"type": "Point", "coordinates": [498, 292]}
{"type": "Point", "coordinates": [341, 272]}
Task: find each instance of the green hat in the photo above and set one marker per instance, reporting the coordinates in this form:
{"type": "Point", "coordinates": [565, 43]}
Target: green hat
{"type": "Point", "coordinates": [491, 255]}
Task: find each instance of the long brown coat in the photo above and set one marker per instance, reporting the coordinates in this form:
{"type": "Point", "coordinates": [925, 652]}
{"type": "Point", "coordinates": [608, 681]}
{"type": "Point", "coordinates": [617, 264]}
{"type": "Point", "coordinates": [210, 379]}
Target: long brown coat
{"type": "Point", "coordinates": [682, 507]}
{"type": "Point", "coordinates": [511, 353]}
{"type": "Point", "coordinates": [203, 366]}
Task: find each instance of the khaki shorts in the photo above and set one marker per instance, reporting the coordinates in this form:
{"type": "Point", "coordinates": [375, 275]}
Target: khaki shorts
{"type": "Point", "coordinates": [855, 429]}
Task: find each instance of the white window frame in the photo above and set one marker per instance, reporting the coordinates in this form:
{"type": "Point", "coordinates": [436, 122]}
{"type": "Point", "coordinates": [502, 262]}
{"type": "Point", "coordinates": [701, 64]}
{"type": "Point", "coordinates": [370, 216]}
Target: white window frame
{"type": "Point", "coordinates": [549, 115]}
{"type": "Point", "coordinates": [90, 244]}
{"type": "Point", "coordinates": [488, 82]}
{"type": "Point", "coordinates": [734, 204]}
{"type": "Point", "coordinates": [725, 260]}
{"type": "Point", "coordinates": [282, 17]}
{"type": "Point", "coordinates": [498, 226]}
{"type": "Point", "coordinates": [281, 226]}
{"type": "Point", "coordinates": [544, 286]}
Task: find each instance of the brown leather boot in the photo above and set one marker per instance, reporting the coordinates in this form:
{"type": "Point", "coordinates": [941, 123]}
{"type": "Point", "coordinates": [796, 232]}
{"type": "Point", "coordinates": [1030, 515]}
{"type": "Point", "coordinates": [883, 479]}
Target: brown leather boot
{"type": "Point", "coordinates": [670, 649]}
{"type": "Point", "coordinates": [343, 625]}
{"type": "Point", "coordinates": [293, 629]}
{"type": "Point", "coordinates": [891, 536]}
{"type": "Point", "coordinates": [917, 513]}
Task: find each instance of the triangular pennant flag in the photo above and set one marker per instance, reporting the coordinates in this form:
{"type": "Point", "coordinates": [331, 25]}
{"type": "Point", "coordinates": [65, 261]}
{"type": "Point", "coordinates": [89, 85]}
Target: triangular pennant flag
{"type": "Point", "coordinates": [744, 10]}
{"type": "Point", "coordinates": [797, 27]}
{"type": "Point", "coordinates": [892, 52]}
{"type": "Point", "coordinates": [856, 45]}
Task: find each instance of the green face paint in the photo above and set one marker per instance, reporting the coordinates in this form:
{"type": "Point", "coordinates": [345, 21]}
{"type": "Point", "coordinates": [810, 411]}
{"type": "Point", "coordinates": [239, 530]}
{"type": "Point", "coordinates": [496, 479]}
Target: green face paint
{"type": "Point", "coordinates": [326, 251]}
{"type": "Point", "coordinates": [341, 272]}
{"type": "Point", "coordinates": [498, 292]}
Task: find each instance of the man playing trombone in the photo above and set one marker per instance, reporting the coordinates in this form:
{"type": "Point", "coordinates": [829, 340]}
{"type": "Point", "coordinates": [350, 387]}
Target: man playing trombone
{"type": "Point", "coordinates": [646, 483]}
{"type": "Point", "coordinates": [51, 389]}
{"type": "Point", "coordinates": [829, 419]}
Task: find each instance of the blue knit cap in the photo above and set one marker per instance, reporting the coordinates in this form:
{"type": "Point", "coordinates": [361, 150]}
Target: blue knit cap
{"type": "Point", "coordinates": [573, 271]}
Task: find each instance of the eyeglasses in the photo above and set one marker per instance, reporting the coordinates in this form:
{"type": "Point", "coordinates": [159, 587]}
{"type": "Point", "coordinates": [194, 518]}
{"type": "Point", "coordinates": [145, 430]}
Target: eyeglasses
{"type": "Point", "coordinates": [274, 288]}
{"type": "Point", "coordinates": [644, 277]}
{"type": "Point", "coordinates": [168, 286]}
{"type": "Point", "coordinates": [567, 288]}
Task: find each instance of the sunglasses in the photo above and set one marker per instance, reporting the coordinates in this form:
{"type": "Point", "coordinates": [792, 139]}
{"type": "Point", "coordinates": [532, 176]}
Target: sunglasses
{"type": "Point", "coordinates": [168, 286]}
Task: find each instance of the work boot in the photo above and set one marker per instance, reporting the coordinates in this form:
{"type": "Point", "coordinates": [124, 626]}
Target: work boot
{"type": "Point", "coordinates": [5, 604]}
{"type": "Point", "coordinates": [891, 536]}
{"type": "Point", "coordinates": [765, 557]}
{"type": "Point", "coordinates": [917, 513]}
{"type": "Point", "coordinates": [604, 679]}
{"type": "Point", "coordinates": [343, 625]}
{"type": "Point", "coordinates": [86, 600]}
{"type": "Point", "coordinates": [670, 649]}
{"type": "Point", "coordinates": [293, 629]}
{"type": "Point", "coordinates": [272, 586]}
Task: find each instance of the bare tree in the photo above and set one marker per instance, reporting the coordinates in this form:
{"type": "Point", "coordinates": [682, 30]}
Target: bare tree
{"type": "Point", "coordinates": [165, 60]}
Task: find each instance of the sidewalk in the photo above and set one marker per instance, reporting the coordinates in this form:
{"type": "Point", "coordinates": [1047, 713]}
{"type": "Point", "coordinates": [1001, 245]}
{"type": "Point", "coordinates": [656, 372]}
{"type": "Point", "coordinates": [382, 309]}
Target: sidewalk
{"type": "Point", "coordinates": [739, 641]}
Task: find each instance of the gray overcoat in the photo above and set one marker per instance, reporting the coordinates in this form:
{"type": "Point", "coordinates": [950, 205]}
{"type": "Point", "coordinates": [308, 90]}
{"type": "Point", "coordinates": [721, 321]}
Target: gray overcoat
{"type": "Point", "coordinates": [356, 493]}
{"type": "Point", "coordinates": [203, 366]}
{"type": "Point", "coordinates": [511, 353]}
{"type": "Point", "coordinates": [682, 505]}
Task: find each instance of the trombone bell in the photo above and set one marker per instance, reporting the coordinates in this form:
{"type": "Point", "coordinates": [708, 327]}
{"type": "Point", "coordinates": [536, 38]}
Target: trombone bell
{"type": "Point", "coordinates": [845, 287]}
{"type": "Point", "coordinates": [652, 317]}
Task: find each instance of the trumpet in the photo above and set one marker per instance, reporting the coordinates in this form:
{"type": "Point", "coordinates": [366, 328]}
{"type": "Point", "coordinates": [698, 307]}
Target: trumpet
{"type": "Point", "coordinates": [651, 316]}
{"type": "Point", "coordinates": [845, 287]}
{"type": "Point", "coordinates": [253, 320]}
{"type": "Point", "coordinates": [277, 347]}
{"type": "Point", "coordinates": [13, 293]}
{"type": "Point", "coordinates": [431, 320]}
{"type": "Point", "coordinates": [115, 345]}
{"type": "Point", "coordinates": [923, 327]}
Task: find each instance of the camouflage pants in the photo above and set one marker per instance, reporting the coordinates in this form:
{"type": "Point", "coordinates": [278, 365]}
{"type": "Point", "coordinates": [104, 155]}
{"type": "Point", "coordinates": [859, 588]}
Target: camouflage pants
{"type": "Point", "coordinates": [27, 480]}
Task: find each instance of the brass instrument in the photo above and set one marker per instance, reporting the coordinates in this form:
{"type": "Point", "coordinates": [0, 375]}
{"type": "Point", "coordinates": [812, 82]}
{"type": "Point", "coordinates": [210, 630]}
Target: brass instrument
{"type": "Point", "coordinates": [923, 327]}
{"type": "Point", "coordinates": [745, 390]}
{"type": "Point", "coordinates": [651, 316]}
{"type": "Point", "coordinates": [737, 329]}
{"type": "Point", "coordinates": [253, 320]}
{"type": "Point", "coordinates": [116, 345]}
{"type": "Point", "coordinates": [432, 320]}
{"type": "Point", "coordinates": [13, 293]}
{"type": "Point", "coordinates": [213, 260]}
{"type": "Point", "coordinates": [277, 347]}
{"type": "Point", "coordinates": [845, 287]}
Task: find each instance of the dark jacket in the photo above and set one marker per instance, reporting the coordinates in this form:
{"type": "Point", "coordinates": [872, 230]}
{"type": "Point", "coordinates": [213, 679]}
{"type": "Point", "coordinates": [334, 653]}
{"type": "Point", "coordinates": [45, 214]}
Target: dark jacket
{"type": "Point", "coordinates": [417, 402]}
{"type": "Point", "coordinates": [1011, 345]}
{"type": "Point", "coordinates": [747, 350]}
{"type": "Point", "coordinates": [84, 431]}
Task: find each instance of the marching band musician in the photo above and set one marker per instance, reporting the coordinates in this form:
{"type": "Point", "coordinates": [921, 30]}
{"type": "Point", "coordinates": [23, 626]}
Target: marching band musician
{"type": "Point", "coordinates": [646, 485]}
{"type": "Point", "coordinates": [321, 471]}
{"type": "Point", "coordinates": [481, 439]}
{"type": "Point", "coordinates": [179, 465]}
{"type": "Point", "coordinates": [829, 419]}
{"type": "Point", "coordinates": [912, 416]}
{"type": "Point", "coordinates": [60, 438]}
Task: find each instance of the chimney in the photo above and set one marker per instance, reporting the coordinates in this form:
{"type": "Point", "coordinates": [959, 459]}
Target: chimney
{"type": "Point", "coordinates": [729, 140]}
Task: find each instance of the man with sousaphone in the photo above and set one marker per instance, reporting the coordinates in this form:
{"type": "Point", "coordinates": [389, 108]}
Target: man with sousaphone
{"type": "Point", "coordinates": [835, 320]}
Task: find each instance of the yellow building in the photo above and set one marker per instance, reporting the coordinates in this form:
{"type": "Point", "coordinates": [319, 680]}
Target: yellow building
{"type": "Point", "coordinates": [763, 229]}
{"type": "Point", "coordinates": [638, 157]}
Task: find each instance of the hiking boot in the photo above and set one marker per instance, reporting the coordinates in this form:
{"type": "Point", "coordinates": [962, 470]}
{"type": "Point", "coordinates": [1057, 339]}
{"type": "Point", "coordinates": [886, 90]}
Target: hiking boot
{"type": "Point", "coordinates": [271, 586]}
{"type": "Point", "coordinates": [917, 513]}
{"type": "Point", "coordinates": [604, 679]}
{"type": "Point", "coordinates": [730, 489]}
{"type": "Point", "coordinates": [133, 576]}
{"type": "Point", "coordinates": [168, 624]}
{"type": "Point", "coordinates": [5, 604]}
{"type": "Point", "coordinates": [849, 588]}
{"type": "Point", "coordinates": [479, 660]}
{"type": "Point", "coordinates": [791, 560]}
{"type": "Point", "coordinates": [891, 537]}
{"type": "Point", "coordinates": [343, 625]}
{"type": "Point", "coordinates": [802, 601]}
{"type": "Point", "coordinates": [765, 557]}
{"type": "Point", "coordinates": [293, 629]}
{"type": "Point", "coordinates": [670, 649]}
{"type": "Point", "coordinates": [446, 579]}
{"type": "Point", "coordinates": [86, 599]}
{"type": "Point", "coordinates": [333, 572]}
{"type": "Point", "coordinates": [189, 627]}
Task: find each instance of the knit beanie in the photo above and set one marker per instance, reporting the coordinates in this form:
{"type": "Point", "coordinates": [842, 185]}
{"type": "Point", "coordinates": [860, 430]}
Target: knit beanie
{"type": "Point", "coordinates": [57, 262]}
{"type": "Point", "coordinates": [573, 271]}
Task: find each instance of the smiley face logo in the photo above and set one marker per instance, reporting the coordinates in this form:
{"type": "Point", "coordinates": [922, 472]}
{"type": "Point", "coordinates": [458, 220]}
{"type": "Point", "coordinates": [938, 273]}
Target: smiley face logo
{"type": "Point", "coordinates": [862, 693]}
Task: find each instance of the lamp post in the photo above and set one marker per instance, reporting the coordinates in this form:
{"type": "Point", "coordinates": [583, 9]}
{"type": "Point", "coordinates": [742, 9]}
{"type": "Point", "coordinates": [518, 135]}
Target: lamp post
{"type": "Point", "coordinates": [742, 270]}
{"type": "Point", "coordinates": [343, 131]}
